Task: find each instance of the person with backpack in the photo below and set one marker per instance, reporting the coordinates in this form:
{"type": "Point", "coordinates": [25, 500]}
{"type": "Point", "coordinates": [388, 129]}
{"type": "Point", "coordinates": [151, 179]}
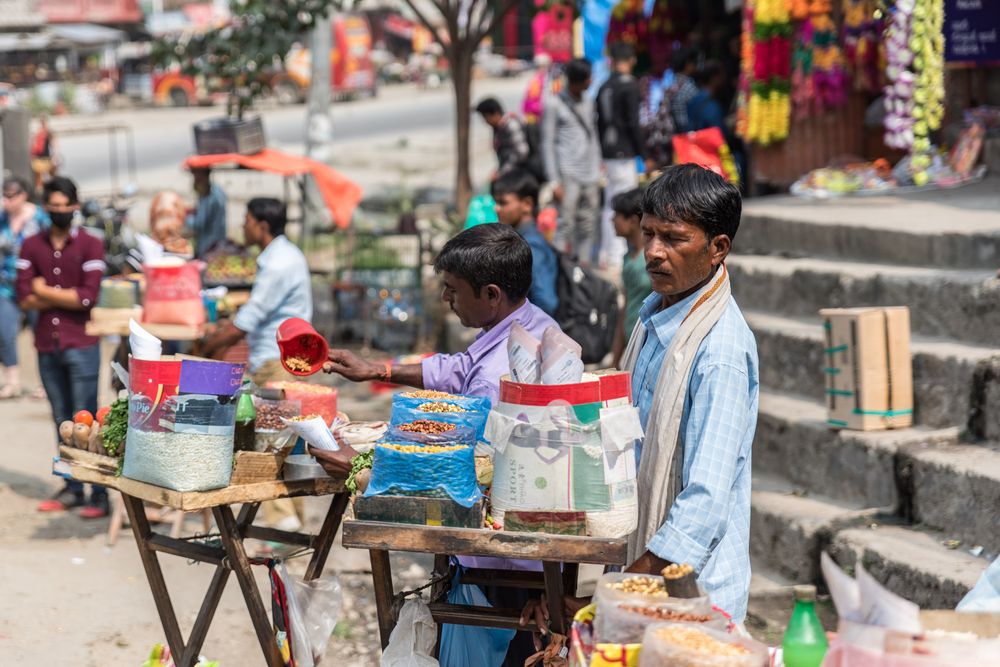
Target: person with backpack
{"type": "Point", "coordinates": [510, 137]}
{"type": "Point", "coordinates": [618, 102]}
{"type": "Point", "coordinates": [571, 154]}
{"type": "Point", "coordinates": [516, 196]}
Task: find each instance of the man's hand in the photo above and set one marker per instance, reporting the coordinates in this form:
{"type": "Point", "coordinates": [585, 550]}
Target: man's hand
{"type": "Point", "coordinates": [538, 610]}
{"type": "Point", "coordinates": [336, 464]}
{"type": "Point", "coordinates": [352, 367]}
{"type": "Point", "coordinates": [558, 192]}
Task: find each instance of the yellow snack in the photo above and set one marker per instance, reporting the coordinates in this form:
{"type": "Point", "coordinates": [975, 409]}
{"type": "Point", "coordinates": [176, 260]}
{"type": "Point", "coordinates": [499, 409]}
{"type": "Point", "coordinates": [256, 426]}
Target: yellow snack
{"type": "Point", "coordinates": [440, 407]}
{"type": "Point", "coordinates": [699, 642]}
{"type": "Point", "coordinates": [427, 393]}
{"type": "Point", "coordinates": [422, 449]}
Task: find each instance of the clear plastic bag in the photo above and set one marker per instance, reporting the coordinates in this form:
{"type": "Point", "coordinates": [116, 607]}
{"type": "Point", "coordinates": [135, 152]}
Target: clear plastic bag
{"type": "Point", "coordinates": [451, 473]}
{"type": "Point", "coordinates": [459, 435]}
{"type": "Point", "coordinates": [475, 410]}
{"type": "Point", "coordinates": [658, 651]}
{"type": "Point", "coordinates": [614, 626]}
{"type": "Point", "coordinates": [313, 609]}
{"type": "Point", "coordinates": [412, 640]}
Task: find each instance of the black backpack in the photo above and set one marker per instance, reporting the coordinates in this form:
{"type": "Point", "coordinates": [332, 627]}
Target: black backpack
{"type": "Point", "coordinates": [588, 309]}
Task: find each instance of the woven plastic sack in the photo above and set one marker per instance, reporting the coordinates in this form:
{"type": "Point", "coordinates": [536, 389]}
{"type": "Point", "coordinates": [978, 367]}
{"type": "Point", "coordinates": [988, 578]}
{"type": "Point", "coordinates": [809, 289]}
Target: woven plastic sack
{"type": "Point", "coordinates": [173, 294]}
{"type": "Point", "coordinates": [474, 419]}
{"type": "Point", "coordinates": [449, 473]}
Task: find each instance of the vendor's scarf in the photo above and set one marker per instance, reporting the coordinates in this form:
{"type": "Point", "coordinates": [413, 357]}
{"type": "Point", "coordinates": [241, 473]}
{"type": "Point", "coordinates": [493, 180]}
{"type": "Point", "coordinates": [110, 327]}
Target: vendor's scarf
{"type": "Point", "coordinates": [661, 466]}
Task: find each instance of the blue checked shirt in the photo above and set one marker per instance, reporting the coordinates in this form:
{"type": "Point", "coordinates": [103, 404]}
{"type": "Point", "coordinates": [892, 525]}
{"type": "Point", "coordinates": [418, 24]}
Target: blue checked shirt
{"type": "Point", "coordinates": [709, 524]}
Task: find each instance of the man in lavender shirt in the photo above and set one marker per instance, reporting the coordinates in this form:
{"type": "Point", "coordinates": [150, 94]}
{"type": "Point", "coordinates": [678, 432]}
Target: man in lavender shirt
{"type": "Point", "coordinates": [486, 272]}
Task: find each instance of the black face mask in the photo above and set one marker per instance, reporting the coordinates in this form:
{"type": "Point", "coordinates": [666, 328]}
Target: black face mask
{"type": "Point", "coordinates": [62, 219]}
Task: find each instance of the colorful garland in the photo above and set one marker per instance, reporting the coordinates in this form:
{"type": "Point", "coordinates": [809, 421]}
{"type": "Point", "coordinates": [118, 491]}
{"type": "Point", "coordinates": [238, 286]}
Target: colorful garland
{"type": "Point", "coordinates": [769, 105]}
{"type": "Point", "coordinates": [914, 95]}
{"type": "Point", "coordinates": [863, 27]}
{"type": "Point", "coordinates": [819, 79]}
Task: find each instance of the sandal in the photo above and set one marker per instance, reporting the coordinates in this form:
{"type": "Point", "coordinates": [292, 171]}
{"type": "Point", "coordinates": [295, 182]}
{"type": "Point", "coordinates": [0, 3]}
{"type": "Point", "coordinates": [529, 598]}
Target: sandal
{"type": "Point", "coordinates": [64, 500]}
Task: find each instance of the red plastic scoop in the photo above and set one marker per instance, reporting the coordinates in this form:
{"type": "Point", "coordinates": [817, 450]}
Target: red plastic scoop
{"type": "Point", "coordinates": [298, 340]}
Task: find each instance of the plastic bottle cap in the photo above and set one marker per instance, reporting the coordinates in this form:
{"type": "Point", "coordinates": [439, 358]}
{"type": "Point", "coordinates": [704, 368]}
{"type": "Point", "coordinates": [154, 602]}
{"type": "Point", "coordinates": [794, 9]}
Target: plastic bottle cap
{"type": "Point", "coordinates": [805, 593]}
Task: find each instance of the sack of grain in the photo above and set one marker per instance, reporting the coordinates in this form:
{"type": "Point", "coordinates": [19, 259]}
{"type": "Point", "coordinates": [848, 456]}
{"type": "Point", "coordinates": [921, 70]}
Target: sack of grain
{"type": "Point", "coordinates": [182, 415]}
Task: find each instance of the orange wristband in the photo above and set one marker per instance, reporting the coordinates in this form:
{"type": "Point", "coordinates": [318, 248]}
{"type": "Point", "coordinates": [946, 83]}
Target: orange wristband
{"type": "Point", "coordinates": [388, 371]}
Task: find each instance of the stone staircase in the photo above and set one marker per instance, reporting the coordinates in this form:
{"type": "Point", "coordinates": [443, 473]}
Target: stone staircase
{"type": "Point", "coordinates": [890, 499]}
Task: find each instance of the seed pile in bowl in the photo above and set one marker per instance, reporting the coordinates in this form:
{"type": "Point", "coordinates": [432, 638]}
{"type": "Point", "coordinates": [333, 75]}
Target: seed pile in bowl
{"type": "Point", "coordinates": [298, 364]}
{"type": "Point", "coordinates": [427, 426]}
{"type": "Point", "coordinates": [642, 585]}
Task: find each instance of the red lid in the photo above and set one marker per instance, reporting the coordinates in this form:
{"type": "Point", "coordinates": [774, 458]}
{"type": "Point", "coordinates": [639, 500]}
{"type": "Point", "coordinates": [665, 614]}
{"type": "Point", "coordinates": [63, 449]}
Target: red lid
{"type": "Point", "coordinates": [603, 388]}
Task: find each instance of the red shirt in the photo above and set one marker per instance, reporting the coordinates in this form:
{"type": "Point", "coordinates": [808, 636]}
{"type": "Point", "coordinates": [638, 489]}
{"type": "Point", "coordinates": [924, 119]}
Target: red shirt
{"type": "Point", "coordinates": [79, 265]}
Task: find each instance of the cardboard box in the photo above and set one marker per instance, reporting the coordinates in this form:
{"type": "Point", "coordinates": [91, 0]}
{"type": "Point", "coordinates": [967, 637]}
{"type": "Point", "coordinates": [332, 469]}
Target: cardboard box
{"type": "Point", "coordinates": [869, 374]}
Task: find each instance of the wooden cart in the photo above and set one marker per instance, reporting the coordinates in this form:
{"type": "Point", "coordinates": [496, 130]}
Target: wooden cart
{"type": "Point", "coordinates": [231, 557]}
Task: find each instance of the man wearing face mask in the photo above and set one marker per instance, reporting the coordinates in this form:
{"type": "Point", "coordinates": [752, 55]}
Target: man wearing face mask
{"type": "Point", "coordinates": [59, 274]}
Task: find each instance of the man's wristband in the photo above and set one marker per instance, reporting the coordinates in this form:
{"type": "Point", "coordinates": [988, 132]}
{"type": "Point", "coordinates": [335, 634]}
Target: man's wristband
{"type": "Point", "coordinates": [385, 375]}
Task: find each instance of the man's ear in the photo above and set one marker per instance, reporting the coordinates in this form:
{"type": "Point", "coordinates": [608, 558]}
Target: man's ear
{"type": "Point", "coordinates": [492, 293]}
{"type": "Point", "coordinates": [719, 248]}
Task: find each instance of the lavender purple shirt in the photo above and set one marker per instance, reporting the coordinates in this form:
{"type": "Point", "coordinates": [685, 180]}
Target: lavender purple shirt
{"type": "Point", "coordinates": [477, 372]}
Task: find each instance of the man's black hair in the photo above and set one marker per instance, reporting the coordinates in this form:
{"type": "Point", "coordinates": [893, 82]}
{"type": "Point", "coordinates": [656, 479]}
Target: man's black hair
{"type": "Point", "coordinates": [683, 57]}
{"type": "Point", "coordinates": [628, 203]}
{"type": "Point", "coordinates": [490, 254]}
{"type": "Point", "coordinates": [489, 106]}
{"type": "Point", "coordinates": [578, 71]}
{"type": "Point", "coordinates": [707, 72]}
{"type": "Point", "coordinates": [621, 52]}
{"type": "Point", "coordinates": [690, 193]}
{"type": "Point", "coordinates": [12, 182]}
{"type": "Point", "coordinates": [518, 182]}
{"type": "Point", "coordinates": [271, 211]}
{"type": "Point", "coordinates": [62, 185]}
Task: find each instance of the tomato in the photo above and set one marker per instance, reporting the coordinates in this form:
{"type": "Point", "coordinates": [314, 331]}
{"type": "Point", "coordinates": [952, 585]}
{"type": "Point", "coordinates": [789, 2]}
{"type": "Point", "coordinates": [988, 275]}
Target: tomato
{"type": "Point", "coordinates": [83, 417]}
{"type": "Point", "coordinates": [102, 414]}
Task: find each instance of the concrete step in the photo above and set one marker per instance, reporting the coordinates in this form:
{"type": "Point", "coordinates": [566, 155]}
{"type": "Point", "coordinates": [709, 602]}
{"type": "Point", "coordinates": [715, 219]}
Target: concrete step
{"type": "Point", "coordinates": [788, 529]}
{"type": "Point", "coordinates": [959, 304]}
{"type": "Point", "coordinates": [909, 562]}
{"type": "Point", "coordinates": [792, 357]}
{"type": "Point", "coordinates": [959, 228]}
{"type": "Point", "coordinates": [923, 475]}
{"type": "Point", "coordinates": [793, 441]}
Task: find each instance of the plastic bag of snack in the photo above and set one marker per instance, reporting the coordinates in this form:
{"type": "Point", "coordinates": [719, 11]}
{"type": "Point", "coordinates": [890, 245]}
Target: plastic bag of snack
{"type": "Point", "coordinates": [523, 352]}
{"type": "Point", "coordinates": [561, 362]}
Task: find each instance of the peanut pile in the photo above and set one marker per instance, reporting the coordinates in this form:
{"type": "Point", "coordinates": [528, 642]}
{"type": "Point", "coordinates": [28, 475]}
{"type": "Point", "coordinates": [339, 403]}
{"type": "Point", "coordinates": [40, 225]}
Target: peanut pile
{"type": "Point", "coordinates": [641, 585]}
{"type": "Point", "coordinates": [440, 407]}
{"type": "Point", "coordinates": [298, 364]}
{"type": "Point", "coordinates": [427, 393]}
{"type": "Point", "coordinates": [427, 426]}
{"type": "Point", "coordinates": [699, 642]}
{"type": "Point", "coordinates": [665, 614]}
{"type": "Point", "coordinates": [269, 416]}
{"type": "Point", "coordinates": [423, 449]}
{"type": "Point", "coordinates": [676, 571]}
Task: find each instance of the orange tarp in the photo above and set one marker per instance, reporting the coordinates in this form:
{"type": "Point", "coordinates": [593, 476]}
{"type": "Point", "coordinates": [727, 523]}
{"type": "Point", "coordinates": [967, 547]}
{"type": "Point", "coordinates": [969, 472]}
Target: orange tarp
{"type": "Point", "coordinates": [340, 194]}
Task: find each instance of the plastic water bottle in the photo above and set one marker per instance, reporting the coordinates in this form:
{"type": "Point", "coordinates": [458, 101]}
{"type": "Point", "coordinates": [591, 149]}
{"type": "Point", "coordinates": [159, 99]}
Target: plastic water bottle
{"type": "Point", "coordinates": [804, 644]}
{"type": "Point", "coordinates": [246, 421]}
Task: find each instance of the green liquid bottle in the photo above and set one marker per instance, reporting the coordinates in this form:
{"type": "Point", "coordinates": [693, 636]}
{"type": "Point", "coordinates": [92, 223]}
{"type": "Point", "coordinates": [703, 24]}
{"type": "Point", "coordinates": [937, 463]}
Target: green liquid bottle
{"type": "Point", "coordinates": [804, 644]}
{"type": "Point", "coordinates": [246, 421]}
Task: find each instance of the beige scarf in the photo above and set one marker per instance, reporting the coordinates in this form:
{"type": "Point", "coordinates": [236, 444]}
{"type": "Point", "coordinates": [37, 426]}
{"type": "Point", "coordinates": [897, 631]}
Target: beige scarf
{"type": "Point", "coordinates": [661, 466]}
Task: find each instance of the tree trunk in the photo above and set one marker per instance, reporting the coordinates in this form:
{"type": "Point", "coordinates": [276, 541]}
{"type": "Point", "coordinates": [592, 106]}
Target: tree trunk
{"type": "Point", "coordinates": [461, 76]}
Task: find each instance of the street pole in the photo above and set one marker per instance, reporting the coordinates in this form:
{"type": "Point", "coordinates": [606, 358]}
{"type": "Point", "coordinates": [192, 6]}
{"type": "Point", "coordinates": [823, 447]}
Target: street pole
{"type": "Point", "coordinates": [319, 128]}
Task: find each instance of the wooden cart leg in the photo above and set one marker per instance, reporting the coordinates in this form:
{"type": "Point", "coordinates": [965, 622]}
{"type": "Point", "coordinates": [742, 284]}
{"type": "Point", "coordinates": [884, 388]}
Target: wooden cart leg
{"type": "Point", "coordinates": [327, 534]}
{"type": "Point", "coordinates": [151, 564]}
{"type": "Point", "coordinates": [571, 576]}
{"type": "Point", "coordinates": [382, 579]}
{"type": "Point", "coordinates": [205, 616]}
{"type": "Point", "coordinates": [232, 540]}
{"type": "Point", "coordinates": [441, 567]}
{"type": "Point", "coordinates": [554, 594]}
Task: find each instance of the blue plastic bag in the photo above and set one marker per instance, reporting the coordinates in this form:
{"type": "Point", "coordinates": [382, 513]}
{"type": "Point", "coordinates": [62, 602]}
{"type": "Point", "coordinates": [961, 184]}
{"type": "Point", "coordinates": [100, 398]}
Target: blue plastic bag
{"type": "Point", "coordinates": [464, 645]}
{"type": "Point", "coordinates": [460, 435]}
{"type": "Point", "coordinates": [449, 473]}
{"type": "Point", "coordinates": [476, 412]}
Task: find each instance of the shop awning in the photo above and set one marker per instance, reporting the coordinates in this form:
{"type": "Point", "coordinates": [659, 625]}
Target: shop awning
{"type": "Point", "coordinates": [340, 194]}
{"type": "Point", "coordinates": [26, 41]}
{"type": "Point", "coordinates": [87, 34]}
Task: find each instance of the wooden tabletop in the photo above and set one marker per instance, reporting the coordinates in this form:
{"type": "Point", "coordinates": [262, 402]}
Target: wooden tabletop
{"type": "Point", "coordinates": [161, 331]}
{"type": "Point", "coordinates": [190, 501]}
{"type": "Point", "coordinates": [376, 535]}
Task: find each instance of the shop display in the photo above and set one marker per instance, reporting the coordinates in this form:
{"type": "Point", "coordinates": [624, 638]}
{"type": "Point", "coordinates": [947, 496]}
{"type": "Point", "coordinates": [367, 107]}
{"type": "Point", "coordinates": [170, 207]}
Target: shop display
{"type": "Point", "coordinates": [469, 412]}
{"type": "Point", "coordinates": [863, 26]}
{"type": "Point", "coordinates": [681, 645]}
{"type": "Point", "coordinates": [231, 265]}
{"type": "Point", "coordinates": [426, 471]}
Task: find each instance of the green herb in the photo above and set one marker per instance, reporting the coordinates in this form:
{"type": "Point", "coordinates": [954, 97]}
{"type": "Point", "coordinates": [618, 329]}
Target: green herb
{"type": "Point", "coordinates": [115, 427]}
{"type": "Point", "coordinates": [359, 463]}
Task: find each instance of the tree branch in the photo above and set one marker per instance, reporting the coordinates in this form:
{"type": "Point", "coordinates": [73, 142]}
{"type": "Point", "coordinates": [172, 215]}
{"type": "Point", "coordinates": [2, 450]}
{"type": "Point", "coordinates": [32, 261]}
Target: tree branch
{"type": "Point", "coordinates": [430, 26]}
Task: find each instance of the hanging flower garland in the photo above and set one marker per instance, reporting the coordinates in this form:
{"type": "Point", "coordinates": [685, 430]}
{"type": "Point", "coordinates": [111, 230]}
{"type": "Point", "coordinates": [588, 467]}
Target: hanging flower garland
{"type": "Point", "coordinates": [863, 27]}
{"type": "Point", "coordinates": [914, 95]}
{"type": "Point", "coordinates": [769, 105]}
{"type": "Point", "coordinates": [746, 71]}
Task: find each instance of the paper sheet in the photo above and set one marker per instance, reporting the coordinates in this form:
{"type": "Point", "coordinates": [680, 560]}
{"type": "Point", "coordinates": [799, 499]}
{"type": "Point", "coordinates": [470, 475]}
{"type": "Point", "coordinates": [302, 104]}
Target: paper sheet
{"type": "Point", "coordinates": [144, 345]}
{"type": "Point", "coordinates": [315, 432]}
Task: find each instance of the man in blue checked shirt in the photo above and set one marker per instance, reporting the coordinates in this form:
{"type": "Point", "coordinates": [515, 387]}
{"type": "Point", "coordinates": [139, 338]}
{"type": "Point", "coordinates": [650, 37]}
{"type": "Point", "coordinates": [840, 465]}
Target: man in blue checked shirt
{"type": "Point", "coordinates": [693, 361]}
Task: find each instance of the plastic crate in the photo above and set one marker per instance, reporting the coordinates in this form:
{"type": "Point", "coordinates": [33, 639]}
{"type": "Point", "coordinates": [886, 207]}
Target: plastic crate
{"type": "Point", "coordinates": [224, 135]}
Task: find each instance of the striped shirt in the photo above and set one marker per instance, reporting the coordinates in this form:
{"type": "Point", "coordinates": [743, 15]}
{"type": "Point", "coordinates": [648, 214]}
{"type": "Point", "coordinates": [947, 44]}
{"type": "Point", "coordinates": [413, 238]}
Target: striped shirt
{"type": "Point", "coordinates": [708, 525]}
